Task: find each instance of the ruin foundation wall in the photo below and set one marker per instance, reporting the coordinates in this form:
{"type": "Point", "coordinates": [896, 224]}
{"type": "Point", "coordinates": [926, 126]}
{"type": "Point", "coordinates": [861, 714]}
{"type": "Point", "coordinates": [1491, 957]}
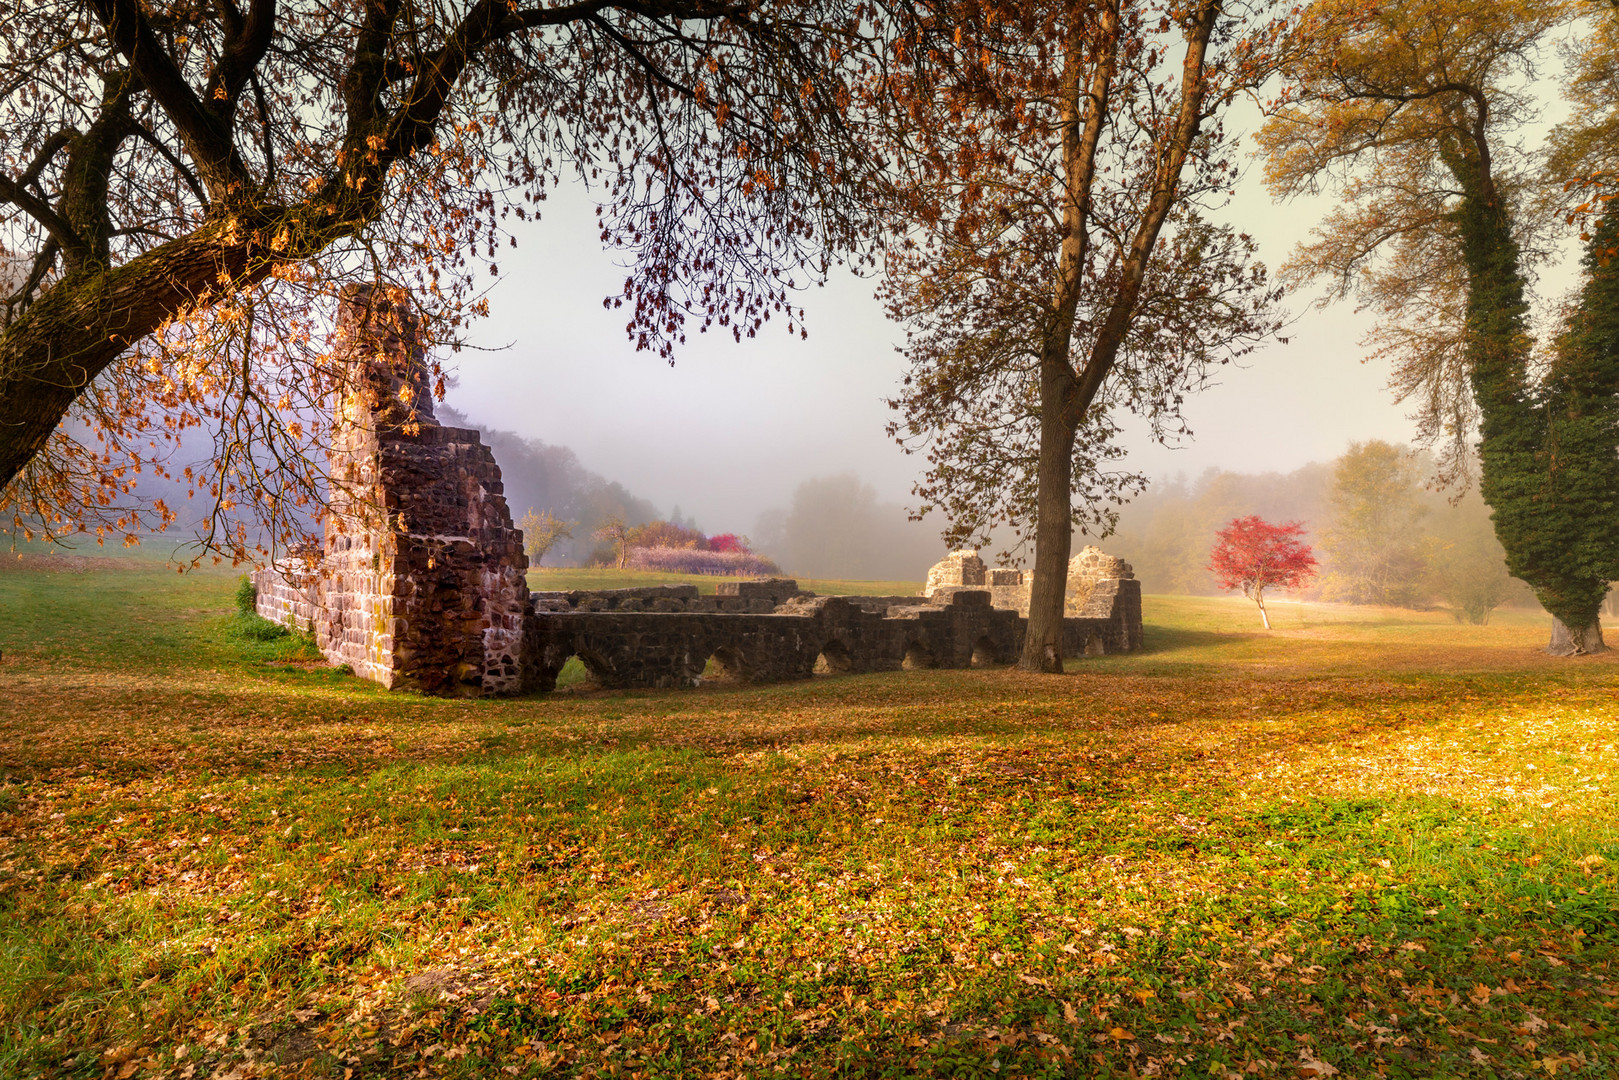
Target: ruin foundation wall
{"type": "Point", "coordinates": [421, 582]}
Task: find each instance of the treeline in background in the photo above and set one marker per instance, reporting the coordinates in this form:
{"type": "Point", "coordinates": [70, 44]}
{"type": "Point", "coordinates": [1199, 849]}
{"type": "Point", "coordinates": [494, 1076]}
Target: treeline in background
{"type": "Point", "coordinates": [1382, 536]}
{"type": "Point", "coordinates": [540, 476]}
{"type": "Point", "coordinates": [832, 527]}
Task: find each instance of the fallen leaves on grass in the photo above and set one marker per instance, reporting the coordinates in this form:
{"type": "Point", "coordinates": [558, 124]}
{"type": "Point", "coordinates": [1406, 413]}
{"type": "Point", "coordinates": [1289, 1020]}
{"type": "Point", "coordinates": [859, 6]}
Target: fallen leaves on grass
{"type": "Point", "coordinates": [214, 869]}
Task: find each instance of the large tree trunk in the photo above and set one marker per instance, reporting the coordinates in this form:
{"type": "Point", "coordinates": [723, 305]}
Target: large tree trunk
{"type": "Point", "coordinates": [1066, 395]}
{"type": "Point", "coordinates": [1579, 640]}
{"type": "Point", "coordinates": [1083, 116]}
{"type": "Point", "coordinates": [84, 322]}
{"type": "Point", "coordinates": [1053, 532]}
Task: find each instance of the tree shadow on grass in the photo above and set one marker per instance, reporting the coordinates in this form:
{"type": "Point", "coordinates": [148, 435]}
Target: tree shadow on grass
{"type": "Point", "coordinates": [1157, 640]}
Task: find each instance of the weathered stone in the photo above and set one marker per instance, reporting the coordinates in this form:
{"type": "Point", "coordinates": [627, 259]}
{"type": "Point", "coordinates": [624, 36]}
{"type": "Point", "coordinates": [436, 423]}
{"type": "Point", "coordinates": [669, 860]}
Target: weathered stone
{"type": "Point", "coordinates": [776, 590]}
{"type": "Point", "coordinates": [958, 569]}
{"type": "Point", "coordinates": [1085, 570]}
{"type": "Point", "coordinates": [1010, 588]}
{"type": "Point", "coordinates": [422, 580]}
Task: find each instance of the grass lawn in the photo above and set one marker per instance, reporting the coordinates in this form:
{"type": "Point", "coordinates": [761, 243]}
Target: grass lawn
{"type": "Point", "coordinates": [1367, 843]}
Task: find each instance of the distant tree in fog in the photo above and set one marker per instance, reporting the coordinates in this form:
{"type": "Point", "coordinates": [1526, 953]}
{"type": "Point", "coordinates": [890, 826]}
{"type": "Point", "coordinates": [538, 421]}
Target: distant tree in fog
{"type": "Point", "coordinates": [614, 533]}
{"type": "Point", "coordinates": [1374, 545]}
{"type": "Point", "coordinates": [1467, 567]}
{"type": "Point", "coordinates": [836, 528]}
{"type": "Point", "coordinates": [541, 532]}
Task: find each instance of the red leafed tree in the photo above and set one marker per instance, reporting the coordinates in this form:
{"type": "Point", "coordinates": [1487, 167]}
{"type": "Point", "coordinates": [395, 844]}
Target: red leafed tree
{"type": "Point", "coordinates": [729, 542]}
{"type": "Point", "coordinates": [1253, 555]}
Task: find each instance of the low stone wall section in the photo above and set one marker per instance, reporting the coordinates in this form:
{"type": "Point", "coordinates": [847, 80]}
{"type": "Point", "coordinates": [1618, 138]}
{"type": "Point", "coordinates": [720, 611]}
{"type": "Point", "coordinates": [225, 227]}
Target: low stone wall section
{"type": "Point", "coordinates": [663, 599]}
{"type": "Point", "coordinates": [288, 593]}
{"type": "Point", "coordinates": [655, 649]}
{"type": "Point", "coordinates": [1115, 603]}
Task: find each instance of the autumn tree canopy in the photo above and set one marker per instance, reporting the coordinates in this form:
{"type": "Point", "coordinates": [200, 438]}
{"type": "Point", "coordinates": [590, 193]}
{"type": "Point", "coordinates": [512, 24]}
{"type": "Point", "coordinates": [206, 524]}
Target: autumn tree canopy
{"type": "Point", "coordinates": [184, 185]}
{"type": "Point", "coordinates": [1058, 263]}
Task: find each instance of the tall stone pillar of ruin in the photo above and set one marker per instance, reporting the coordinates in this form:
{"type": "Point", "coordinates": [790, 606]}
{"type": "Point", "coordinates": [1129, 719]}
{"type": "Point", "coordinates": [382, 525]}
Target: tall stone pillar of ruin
{"type": "Point", "coordinates": [422, 583]}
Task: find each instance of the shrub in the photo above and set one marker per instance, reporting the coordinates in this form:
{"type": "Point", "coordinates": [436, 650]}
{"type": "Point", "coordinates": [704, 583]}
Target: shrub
{"type": "Point", "coordinates": [729, 542]}
{"type": "Point", "coordinates": [247, 595]}
{"type": "Point", "coordinates": [656, 534]}
{"type": "Point", "coordinates": [247, 626]}
{"type": "Point", "coordinates": [671, 560]}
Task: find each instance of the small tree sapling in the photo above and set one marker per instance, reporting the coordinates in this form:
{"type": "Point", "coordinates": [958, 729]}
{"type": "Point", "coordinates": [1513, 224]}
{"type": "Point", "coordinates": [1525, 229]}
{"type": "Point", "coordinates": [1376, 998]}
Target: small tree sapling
{"type": "Point", "coordinates": [1253, 555]}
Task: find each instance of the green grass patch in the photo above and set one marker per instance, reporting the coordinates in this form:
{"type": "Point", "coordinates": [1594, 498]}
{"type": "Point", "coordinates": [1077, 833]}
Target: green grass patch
{"type": "Point", "coordinates": [259, 639]}
{"type": "Point", "coordinates": [1373, 842]}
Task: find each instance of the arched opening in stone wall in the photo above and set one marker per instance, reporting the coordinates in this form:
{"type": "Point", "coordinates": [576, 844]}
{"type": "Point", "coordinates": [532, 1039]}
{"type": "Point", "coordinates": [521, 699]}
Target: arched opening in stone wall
{"type": "Point", "coordinates": [582, 671]}
{"type": "Point", "coordinates": [1094, 646]}
{"type": "Point", "coordinates": [985, 654]}
{"type": "Point", "coordinates": [834, 659]}
{"type": "Point", "coordinates": [724, 666]}
{"type": "Point", "coordinates": [917, 657]}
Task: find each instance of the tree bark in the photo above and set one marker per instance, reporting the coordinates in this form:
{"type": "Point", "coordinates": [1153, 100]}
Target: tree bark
{"type": "Point", "coordinates": [1579, 640]}
{"type": "Point", "coordinates": [1053, 529]}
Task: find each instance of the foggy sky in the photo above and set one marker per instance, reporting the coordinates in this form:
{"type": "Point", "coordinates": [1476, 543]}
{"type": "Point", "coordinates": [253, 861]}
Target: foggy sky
{"type": "Point", "coordinates": [731, 429]}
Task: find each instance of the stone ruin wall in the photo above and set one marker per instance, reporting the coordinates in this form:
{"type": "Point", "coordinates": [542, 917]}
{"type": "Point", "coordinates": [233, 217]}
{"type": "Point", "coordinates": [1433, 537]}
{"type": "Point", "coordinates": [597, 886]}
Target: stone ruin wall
{"type": "Point", "coordinates": [1092, 575]}
{"type": "Point", "coordinates": [663, 636]}
{"type": "Point", "coordinates": [421, 582]}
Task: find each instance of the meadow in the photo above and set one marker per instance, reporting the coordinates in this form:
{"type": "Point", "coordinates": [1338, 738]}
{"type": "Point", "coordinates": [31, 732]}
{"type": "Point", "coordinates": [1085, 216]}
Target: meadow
{"type": "Point", "coordinates": [1369, 843]}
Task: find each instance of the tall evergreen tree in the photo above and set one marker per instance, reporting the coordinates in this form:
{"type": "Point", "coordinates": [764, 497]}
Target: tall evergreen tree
{"type": "Point", "coordinates": [1563, 514]}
